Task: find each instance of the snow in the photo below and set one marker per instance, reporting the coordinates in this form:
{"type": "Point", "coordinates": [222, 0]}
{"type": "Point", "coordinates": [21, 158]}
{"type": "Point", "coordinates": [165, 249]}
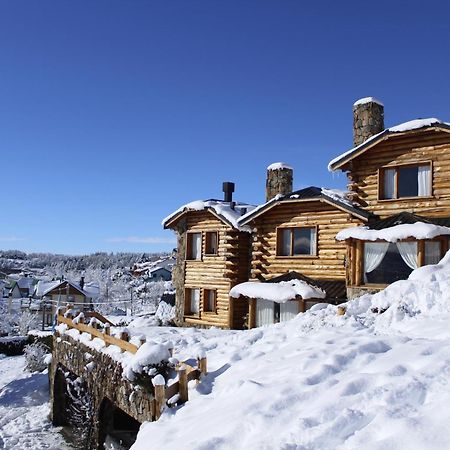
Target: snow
{"type": "Point", "coordinates": [401, 128]}
{"type": "Point", "coordinates": [415, 124]}
{"type": "Point", "coordinates": [277, 292]}
{"type": "Point", "coordinates": [365, 100]}
{"type": "Point", "coordinates": [221, 208]}
{"type": "Point", "coordinates": [149, 353]}
{"type": "Point", "coordinates": [418, 230]}
{"type": "Point", "coordinates": [338, 195]}
{"type": "Point", "coordinates": [322, 381]}
{"type": "Point", "coordinates": [24, 409]}
{"type": "Point", "coordinates": [279, 165]}
{"type": "Point", "coordinates": [158, 380]}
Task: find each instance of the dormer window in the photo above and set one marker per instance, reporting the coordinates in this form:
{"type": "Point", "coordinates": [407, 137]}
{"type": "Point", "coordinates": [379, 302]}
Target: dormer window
{"type": "Point", "coordinates": [405, 181]}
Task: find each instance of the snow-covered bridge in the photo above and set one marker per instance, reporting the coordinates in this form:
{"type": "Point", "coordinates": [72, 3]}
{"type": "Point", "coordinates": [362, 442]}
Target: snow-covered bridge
{"type": "Point", "coordinates": [105, 386]}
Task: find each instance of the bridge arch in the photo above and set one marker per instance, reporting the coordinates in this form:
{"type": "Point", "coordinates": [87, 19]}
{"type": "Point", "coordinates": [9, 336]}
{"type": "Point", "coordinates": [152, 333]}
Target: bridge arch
{"type": "Point", "coordinates": [115, 425]}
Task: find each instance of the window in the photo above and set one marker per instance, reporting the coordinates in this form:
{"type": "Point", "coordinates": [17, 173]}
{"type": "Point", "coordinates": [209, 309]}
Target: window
{"type": "Point", "coordinates": [405, 181]}
{"type": "Point", "coordinates": [192, 301]}
{"type": "Point", "coordinates": [194, 246]}
{"type": "Point", "coordinates": [386, 262]}
{"type": "Point", "coordinates": [296, 241]}
{"type": "Point", "coordinates": [210, 300]}
{"type": "Point", "coordinates": [212, 240]}
{"type": "Point", "coordinates": [432, 252]}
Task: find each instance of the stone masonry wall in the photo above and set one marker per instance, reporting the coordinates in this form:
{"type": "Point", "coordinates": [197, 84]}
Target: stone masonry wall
{"type": "Point", "coordinates": [104, 381]}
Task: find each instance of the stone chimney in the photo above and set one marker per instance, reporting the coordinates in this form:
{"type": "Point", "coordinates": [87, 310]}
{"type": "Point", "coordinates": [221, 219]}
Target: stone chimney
{"type": "Point", "coordinates": [279, 180]}
{"type": "Point", "coordinates": [368, 119]}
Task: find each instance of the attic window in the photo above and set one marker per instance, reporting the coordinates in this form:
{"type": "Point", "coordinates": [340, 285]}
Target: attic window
{"type": "Point", "coordinates": [212, 239]}
{"type": "Point", "coordinates": [405, 181]}
{"type": "Point", "coordinates": [296, 241]}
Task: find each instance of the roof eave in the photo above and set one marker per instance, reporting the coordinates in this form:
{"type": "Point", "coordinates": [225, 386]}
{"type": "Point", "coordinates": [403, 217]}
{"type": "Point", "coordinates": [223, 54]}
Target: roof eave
{"type": "Point", "coordinates": [383, 136]}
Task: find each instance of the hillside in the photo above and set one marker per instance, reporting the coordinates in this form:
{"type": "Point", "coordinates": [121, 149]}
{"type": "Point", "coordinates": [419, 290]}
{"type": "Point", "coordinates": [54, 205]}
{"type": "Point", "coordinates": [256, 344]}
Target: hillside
{"type": "Point", "coordinates": [375, 378]}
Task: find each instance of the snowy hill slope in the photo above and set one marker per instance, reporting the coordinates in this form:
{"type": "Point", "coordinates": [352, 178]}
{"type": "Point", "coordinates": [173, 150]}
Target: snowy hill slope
{"type": "Point", "coordinates": [323, 381]}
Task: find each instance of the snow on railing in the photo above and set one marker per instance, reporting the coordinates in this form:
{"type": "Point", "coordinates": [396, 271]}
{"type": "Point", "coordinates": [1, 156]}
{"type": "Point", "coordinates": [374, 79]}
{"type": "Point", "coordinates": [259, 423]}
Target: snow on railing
{"type": "Point", "coordinates": [170, 395]}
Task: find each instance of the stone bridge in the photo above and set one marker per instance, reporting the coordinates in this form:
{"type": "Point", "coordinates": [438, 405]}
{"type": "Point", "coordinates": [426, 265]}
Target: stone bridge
{"type": "Point", "coordinates": [89, 393]}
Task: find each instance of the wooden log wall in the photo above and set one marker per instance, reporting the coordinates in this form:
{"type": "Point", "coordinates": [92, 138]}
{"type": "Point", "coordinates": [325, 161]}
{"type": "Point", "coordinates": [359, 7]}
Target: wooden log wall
{"type": "Point", "coordinates": [219, 272]}
{"type": "Point", "coordinates": [331, 255]}
{"type": "Point", "coordinates": [414, 147]}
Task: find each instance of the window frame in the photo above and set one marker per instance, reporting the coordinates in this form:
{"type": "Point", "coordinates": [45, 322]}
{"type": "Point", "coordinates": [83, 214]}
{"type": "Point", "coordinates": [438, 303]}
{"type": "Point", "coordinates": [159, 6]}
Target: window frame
{"type": "Point", "coordinates": [187, 302]}
{"type": "Point", "coordinates": [278, 238]}
{"type": "Point", "coordinates": [216, 233]}
{"type": "Point", "coordinates": [189, 246]}
{"type": "Point", "coordinates": [205, 301]}
{"type": "Point", "coordinates": [396, 167]}
{"type": "Point", "coordinates": [444, 243]}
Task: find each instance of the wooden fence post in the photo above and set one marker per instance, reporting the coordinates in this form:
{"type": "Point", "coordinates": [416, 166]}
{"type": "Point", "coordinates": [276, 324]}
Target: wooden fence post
{"type": "Point", "coordinates": [202, 366]}
{"type": "Point", "coordinates": [106, 332]}
{"type": "Point", "coordinates": [183, 385]}
{"type": "Point", "coordinates": [160, 395]}
{"type": "Point", "coordinates": [124, 336]}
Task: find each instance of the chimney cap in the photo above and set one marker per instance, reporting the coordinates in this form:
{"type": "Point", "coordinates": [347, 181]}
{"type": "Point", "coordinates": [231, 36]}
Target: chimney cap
{"type": "Point", "coordinates": [279, 165]}
{"type": "Point", "coordinates": [365, 100]}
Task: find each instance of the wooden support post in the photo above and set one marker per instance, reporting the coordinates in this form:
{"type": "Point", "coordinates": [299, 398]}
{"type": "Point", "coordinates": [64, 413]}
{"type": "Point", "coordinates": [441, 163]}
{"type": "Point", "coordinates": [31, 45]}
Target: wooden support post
{"type": "Point", "coordinates": [421, 253]}
{"type": "Point", "coordinates": [252, 313]}
{"type": "Point", "coordinates": [302, 305]}
{"type": "Point", "coordinates": [124, 336]}
{"type": "Point", "coordinates": [358, 263]}
{"type": "Point", "coordinates": [183, 385]}
{"type": "Point", "coordinates": [106, 332]}
{"type": "Point", "coordinates": [160, 400]}
{"type": "Point", "coordinates": [202, 365]}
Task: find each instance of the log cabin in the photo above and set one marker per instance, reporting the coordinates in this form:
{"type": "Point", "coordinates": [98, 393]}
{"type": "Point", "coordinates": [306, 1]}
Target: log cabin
{"type": "Point", "coordinates": [294, 251]}
{"type": "Point", "coordinates": [401, 175]}
{"type": "Point", "coordinates": [213, 255]}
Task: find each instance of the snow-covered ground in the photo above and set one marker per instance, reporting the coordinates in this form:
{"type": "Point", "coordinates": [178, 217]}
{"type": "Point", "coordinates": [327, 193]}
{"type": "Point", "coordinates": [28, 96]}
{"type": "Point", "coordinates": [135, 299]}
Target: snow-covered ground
{"type": "Point", "coordinates": [24, 409]}
{"type": "Point", "coordinates": [322, 381]}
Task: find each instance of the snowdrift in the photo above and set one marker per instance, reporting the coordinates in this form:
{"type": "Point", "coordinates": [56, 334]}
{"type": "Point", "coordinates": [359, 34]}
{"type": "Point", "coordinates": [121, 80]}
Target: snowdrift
{"type": "Point", "coordinates": [376, 378]}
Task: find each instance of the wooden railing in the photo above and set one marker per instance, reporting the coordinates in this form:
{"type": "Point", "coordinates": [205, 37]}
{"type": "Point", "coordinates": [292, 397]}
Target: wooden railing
{"type": "Point", "coordinates": [170, 395]}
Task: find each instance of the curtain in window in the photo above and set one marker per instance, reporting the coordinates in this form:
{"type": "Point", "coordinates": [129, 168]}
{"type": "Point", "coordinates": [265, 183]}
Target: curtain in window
{"type": "Point", "coordinates": [408, 252]}
{"type": "Point", "coordinates": [288, 310]}
{"type": "Point", "coordinates": [196, 245]}
{"type": "Point", "coordinates": [432, 252]}
{"type": "Point", "coordinates": [424, 181]}
{"type": "Point", "coordinates": [195, 301]}
{"type": "Point", "coordinates": [264, 312]}
{"type": "Point", "coordinates": [374, 253]}
{"type": "Point", "coordinates": [313, 241]}
{"type": "Point", "coordinates": [389, 183]}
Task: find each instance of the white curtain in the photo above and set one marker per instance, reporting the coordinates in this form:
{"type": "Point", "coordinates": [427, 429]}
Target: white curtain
{"type": "Point", "coordinates": [288, 310]}
{"type": "Point", "coordinates": [373, 254]}
{"type": "Point", "coordinates": [389, 182]}
{"type": "Point", "coordinates": [432, 252]}
{"type": "Point", "coordinates": [424, 181]}
{"type": "Point", "coordinates": [408, 252]}
{"type": "Point", "coordinates": [195, 301]}
{"type": "Point", "coordinates": [264, 312]}
{"type": "Point", "coordinates": [313, 241]}
{"type": "Point", "coordinates": [196, 245]}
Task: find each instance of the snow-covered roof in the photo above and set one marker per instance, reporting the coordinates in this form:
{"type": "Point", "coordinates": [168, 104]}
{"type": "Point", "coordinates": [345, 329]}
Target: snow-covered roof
{"type": "Point", "coordinates": [365, 100]}
{"type": "Point", "coordinates": [418, 230]}
{"type": "Point", "coordinates": [279, 165]}
{"type": "Point", "coordinates": [42, 288]}
{"type": "Point", "coordinates": [277, 292]}
{"type": "Point", "coordinates": [334, 197]}
{"type": "Point", "coordinates": [222, 210]}
{"type": "Point", "coordinates": [417, 124]}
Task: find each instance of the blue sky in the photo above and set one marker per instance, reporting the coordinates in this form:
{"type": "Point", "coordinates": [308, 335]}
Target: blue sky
{"type": "Point", "coordinates": [115, 113]}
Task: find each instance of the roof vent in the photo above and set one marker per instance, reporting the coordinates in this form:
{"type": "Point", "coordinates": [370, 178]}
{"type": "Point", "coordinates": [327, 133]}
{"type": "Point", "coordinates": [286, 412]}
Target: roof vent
{"type": "Point", "coordinates": [228, 189]}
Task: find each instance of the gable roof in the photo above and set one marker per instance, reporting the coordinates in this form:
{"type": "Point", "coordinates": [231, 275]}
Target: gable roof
{"type": "Point", "coordinates": [413, 125]}
{"type": "Point", "coordinates": [44, 287]}
{"type": "Point", "coordinates": [333, 197]}
{"type": "Point", "coordinates": [228, 213]}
